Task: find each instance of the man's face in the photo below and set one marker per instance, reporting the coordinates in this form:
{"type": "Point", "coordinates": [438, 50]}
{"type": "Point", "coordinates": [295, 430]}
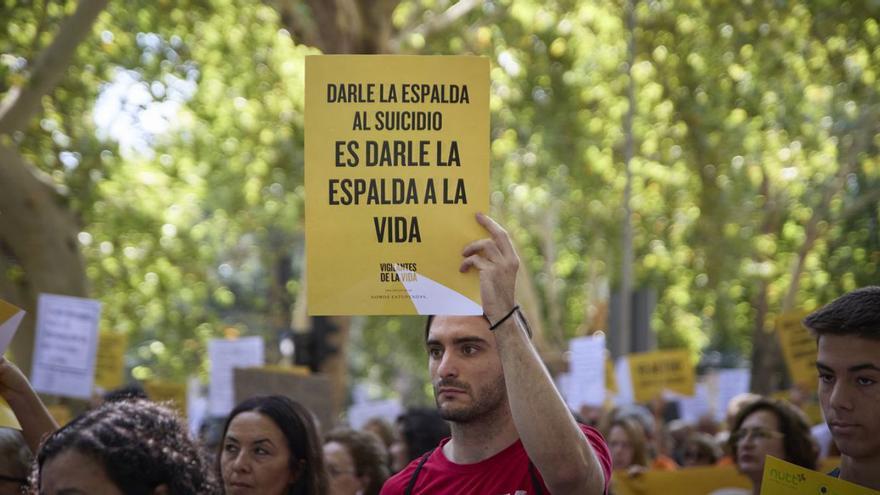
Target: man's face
{"type": "Point", "coordinates": [849, 391]}
{"type": "Point", "coordinates": [465, 368]}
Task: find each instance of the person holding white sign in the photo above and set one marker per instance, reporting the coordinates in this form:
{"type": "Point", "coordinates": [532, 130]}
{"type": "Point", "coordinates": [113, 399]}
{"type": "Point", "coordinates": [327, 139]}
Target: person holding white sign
{"type": "Point", "coordinates": [848, 334]}
{"type": "Point", "coordinates": [511, 430]}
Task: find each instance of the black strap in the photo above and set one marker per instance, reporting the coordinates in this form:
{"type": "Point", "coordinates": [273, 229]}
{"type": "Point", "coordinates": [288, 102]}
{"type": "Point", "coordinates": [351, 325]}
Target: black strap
{"type": "Point", "coordinates": [412, 480]}
{"type": "Point", "coordinates": [536, 483]}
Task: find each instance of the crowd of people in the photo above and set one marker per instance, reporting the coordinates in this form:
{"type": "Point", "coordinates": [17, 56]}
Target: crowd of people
{"type": "Point", "coordinates": [499, 426]}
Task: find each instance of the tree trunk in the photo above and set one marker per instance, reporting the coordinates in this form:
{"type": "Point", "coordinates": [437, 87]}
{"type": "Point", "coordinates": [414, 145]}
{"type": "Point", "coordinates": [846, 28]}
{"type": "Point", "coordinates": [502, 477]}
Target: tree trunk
{"type": "Point", "coordinates": [340, 26]}
{"type": "Point", "coordinates": [38, 242]}
{"type": "Point", "coordinates": [766, 352]}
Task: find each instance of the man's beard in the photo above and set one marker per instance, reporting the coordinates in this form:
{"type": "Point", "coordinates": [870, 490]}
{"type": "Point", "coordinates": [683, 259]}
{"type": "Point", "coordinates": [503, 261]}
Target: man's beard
{"type": "Point", "coordinates": [486, 401]}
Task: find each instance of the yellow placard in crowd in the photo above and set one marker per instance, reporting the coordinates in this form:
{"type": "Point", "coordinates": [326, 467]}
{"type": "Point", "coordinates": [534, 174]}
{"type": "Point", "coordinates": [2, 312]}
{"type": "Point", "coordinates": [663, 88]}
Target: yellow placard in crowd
{"type": "Point", "coordinates": [784, 478]}
{"type": "Point", "coordinates": [610, 377]}
{"type": "Point", "coordinates": [396, 167]}
{"type": "Point", "coordinates": [160, 391]}
{"type": "Point", "coordinates": [798, 348]}
{"type": "Point", "coordinates": [690, 481]}
{"type": "Point", "coordinates": [10, 318]}
{"type": "Point", "coordinates": [654, 372]}
{"type": "Point", "coordinates": [60, 413]}
{"type": "Point", "coordinates": [110, 360]}
{"type": "Point", "coordinates": [7, 417]}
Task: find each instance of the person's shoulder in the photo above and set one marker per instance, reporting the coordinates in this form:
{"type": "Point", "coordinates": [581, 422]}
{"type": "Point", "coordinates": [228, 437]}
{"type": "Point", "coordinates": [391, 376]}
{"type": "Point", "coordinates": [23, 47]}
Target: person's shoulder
{"type": "Point", "coordinates": [396, 484]}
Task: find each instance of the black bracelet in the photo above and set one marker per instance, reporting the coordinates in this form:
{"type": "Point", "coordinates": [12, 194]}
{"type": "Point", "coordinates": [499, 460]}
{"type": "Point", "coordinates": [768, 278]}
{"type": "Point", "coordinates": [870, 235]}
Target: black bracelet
{"type": "Point", "coordinates": [502, 320]}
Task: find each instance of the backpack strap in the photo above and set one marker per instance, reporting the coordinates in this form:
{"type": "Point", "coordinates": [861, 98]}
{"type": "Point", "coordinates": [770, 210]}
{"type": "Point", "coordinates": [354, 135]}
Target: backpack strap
{"type": "Point", "coordinates": [536, 483]}
{"type": "Point", "coordinates": [412, 479]}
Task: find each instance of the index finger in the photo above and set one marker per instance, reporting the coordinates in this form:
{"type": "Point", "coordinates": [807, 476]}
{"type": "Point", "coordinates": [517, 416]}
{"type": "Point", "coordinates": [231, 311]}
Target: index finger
{"type": "Point", "coordinates": [499, 235]}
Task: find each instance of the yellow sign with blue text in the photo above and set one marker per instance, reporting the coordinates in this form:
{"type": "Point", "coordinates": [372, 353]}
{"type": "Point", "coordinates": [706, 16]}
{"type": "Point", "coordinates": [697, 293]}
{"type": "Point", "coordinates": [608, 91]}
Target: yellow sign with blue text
{"type": "Point", "coordinates": [784, 478]}
{"type": "Point", "coordinates": [396, 167]}
{"type": "Point", "coordinates": [654, 372]}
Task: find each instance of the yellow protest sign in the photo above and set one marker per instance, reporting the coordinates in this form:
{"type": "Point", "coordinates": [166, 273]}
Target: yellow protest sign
{"type": "Point", "coordinates": [7, 417]}
{"type": "Point", "coordinates": [798, 348]}
{"type": "Point", "coordinates": [784, 478]}
{"type": "Point", "coordinates": [396, 166]}
{"type": "Point", "coordinates": [690, 481]}
{"type": "Point", "coordinates": [10, 318]}
{"type": "Point", "coordinates": [160, 391]}
{"type": "Point", "coordinates": [610, 377]}
{"type": "Point", "coordinates": [654, 372]}
{"type": "Point", "coordinates": [61, 413]}
{"type": "Point", "coordinates": [110, 360]}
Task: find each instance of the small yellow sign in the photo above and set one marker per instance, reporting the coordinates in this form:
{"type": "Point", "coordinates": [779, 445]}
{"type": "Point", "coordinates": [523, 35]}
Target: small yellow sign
{"type": "Point", "coordinates": [784, 478]}
{"type": "Point", "coordinates": [61, 413]}
{"type": "Point", "coordinates": [610, 377]}
{"type": "Point", "coordinates": [396, 167]}
{"type": "Point", "coordinates": [654, 372]}
{"type": "Point", "coordinates": [110, 360]}
{"type": "Point", "coordinates": [160, 391]}
{"type": "Point", "coordinates": [7, 417]}
{"type": "Point", "coordinates": [690, 481]}
{"type": "Point", "coordinates": [798, 348]}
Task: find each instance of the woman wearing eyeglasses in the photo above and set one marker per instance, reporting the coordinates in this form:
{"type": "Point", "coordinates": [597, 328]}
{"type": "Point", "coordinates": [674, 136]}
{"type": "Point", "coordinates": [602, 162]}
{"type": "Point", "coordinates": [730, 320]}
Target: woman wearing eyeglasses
{"type": "Point", "coordinates": [770, 427]}
{"type": "Point", "coordinates": [356, 462]}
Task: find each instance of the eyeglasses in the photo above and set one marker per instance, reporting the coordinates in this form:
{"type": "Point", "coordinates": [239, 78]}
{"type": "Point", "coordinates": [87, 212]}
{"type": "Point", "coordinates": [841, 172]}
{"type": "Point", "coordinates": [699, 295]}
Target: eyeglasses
{"type": "Point", "coordinates": [756, 433]}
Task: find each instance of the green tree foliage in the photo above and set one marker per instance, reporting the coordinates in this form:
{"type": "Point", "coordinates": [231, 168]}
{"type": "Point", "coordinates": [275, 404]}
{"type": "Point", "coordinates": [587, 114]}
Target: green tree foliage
{"type": "Point", "coordinates": [756, 171]}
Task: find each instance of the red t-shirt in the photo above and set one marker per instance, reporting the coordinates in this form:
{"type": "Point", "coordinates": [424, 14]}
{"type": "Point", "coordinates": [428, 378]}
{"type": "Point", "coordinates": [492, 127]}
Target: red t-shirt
{"type": "Point", "coordinates": [505, 473]}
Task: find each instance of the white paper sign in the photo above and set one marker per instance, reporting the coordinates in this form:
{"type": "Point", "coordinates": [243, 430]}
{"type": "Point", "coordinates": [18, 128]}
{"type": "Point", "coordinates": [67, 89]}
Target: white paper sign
{"type": "Point", "coordinates": [225, 356]}
{"type": "Point", "coordinates": [196, 405]}
{"type": "Point", "coordinates": [65, 345]}
{"type": "Point", "coordinates": [359, 414]}
{"type": "Point", "coordinates": [625, 394]}
{"type": "Point", "coordinates": [730, 383]}
{"type": "Point", "coordinates": [691, 409]}
{"type": "Point", "coordinates": [586, 382]}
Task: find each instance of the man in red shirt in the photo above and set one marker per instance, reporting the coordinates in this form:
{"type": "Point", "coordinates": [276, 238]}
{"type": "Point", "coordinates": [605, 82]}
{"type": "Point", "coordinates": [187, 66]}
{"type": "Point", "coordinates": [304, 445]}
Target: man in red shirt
{"type": "Point", "coordinates": [512, 433]}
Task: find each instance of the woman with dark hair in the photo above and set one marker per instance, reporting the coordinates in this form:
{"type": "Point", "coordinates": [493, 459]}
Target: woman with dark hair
{"type": "Point", "coordinates": [356, 461]}
{"type": "Point", "coordinates": [627, 443]}
{"type": "Point", "coordinates": [770, 427]}
{"type": "Point", "coordinates": [420, 430]}
{"type": "Point", "coordinates": [135, 447]}
{"type": "Point", "coordinates": [270, 446]}
{"type": "Point", "coordinates": [700, 449]}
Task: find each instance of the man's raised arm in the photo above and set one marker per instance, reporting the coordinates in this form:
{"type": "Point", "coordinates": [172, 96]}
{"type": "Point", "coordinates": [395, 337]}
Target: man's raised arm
{"type": "Point", "coordinates": [550, 435]}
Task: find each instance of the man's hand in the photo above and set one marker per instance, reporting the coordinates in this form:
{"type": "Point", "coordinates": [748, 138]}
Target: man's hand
{"type": "Point", "coordinates": [497, 262]}
{"type": "Point", "coordinates": [13, 383]}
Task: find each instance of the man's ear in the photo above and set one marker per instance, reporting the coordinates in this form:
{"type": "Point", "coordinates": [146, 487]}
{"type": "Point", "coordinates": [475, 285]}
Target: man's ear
{"type": "Point", "coordinates": [161, 490]}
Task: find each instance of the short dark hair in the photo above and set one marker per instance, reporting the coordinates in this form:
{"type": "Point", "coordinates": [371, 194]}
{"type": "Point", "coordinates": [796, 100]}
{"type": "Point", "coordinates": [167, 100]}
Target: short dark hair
{"type": "Point", "coordinates": [368, 453]}
{"type": "Point", "coordinates": [140, 444]}
{"type": "Point", "coordinates": [430, 319]}
{"type": "Point", "coordinates": [303, 440]}
{"type": "Point", "coordinates": [798, 444]}
{"type": "Point", "coordinates": [421, 429]}
{"type": "Point", "coordinates": [856, 313]}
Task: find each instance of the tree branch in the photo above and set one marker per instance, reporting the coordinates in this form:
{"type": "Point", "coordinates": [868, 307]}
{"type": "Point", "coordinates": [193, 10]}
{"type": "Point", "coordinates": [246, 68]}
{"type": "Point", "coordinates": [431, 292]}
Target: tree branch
{"type": "Point", "coordinates": [436, 23]}
{"type": "Point", "coordinates": [23, 102]}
